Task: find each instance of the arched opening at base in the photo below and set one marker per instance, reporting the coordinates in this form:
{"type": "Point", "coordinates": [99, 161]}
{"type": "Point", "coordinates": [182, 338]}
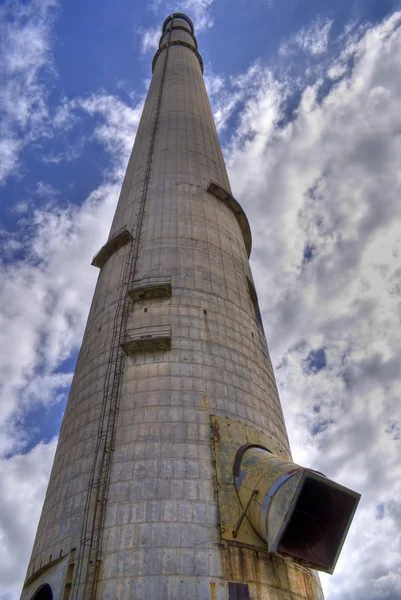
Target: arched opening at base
{"type": "Point", "coordinates": [43, 593]}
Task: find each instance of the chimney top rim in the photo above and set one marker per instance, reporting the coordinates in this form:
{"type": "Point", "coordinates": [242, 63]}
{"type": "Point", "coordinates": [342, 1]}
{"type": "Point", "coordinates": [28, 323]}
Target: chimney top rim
{"type": "Point", "coordinates": [178, 15]}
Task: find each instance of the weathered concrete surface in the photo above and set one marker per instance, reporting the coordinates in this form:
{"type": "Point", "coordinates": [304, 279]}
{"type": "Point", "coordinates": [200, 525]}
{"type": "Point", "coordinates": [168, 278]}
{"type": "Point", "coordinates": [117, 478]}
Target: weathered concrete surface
{"type": "Point", "coordinates": [161, 536]}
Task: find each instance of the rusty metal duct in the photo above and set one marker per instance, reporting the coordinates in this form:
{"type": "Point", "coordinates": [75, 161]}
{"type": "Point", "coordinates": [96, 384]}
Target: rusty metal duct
{"type": "Point", "coordinates": [299, 513]}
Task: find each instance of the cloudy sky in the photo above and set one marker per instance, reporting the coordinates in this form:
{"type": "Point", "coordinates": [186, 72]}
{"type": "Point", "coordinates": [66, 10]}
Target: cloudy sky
{"type": "Point", "coordinates": [307, 99]}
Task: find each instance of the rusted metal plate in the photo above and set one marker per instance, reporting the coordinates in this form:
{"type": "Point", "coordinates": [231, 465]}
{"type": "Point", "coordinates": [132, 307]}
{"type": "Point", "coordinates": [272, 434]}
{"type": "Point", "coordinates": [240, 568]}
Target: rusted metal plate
{"type": "Point", "coordinates": [228, 437]}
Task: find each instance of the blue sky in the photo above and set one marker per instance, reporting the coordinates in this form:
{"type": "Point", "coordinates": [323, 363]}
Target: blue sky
{"type": "Point", "coordinates": [306, 97]}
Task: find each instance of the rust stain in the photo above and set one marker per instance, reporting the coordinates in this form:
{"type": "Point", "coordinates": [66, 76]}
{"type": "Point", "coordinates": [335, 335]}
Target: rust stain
{"type": "Point", "coordinates": [205, 403]}
{"type": "Point", "coordinates": [313, 590]}
{"type": "Point", "coordinates": [216, 431]}
{"type": "Point", "coordinates": [69, 576]}
{"type": "Point", "coordinates": [242, 564]}
{"type": "Point", "coordinates": [263, 572]}
{"type": "Point", "coordinates": [207, 328]}
{"type": "Point", "coordinates": [212, 590]}
{"type": "Point", "coordinates": [275, 563]}
{"type": "Point", "coordinates": [257, 561]}
{"type": "Point", "coordinates": [224, 555]}
{"type": "Point", "coordinates": [99, 573]}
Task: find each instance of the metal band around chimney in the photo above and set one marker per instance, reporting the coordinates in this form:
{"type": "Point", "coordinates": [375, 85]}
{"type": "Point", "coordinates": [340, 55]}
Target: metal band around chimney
{"type": "Point", "coordinates": [177, 43]}
{"type": "Point", "coordinates": [182, 29]}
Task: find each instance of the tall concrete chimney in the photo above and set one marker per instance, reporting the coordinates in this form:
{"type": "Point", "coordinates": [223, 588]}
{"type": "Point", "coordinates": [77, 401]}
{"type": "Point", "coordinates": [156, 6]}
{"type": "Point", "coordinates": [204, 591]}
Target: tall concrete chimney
{"type": "Point", "coordinates": [173, 477]}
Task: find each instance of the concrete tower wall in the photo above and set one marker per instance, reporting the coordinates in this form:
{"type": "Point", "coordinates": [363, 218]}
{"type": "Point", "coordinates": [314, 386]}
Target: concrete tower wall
{"type": "Point", "coordinates": [160, 534]}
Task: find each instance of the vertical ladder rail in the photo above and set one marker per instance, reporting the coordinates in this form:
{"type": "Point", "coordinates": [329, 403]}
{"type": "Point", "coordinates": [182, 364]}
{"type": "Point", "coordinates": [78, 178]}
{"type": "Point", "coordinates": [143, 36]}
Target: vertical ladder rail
{"type": "Point", "coordinates": [89, 559]}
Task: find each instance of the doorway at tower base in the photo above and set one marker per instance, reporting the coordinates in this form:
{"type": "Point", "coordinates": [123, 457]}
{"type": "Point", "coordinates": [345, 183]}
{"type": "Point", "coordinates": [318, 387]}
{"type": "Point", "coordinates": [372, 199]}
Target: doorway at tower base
{"type": "Point", "coordinates": [51, 580]}
{"type": "Point", "coordinates": [269, 503]}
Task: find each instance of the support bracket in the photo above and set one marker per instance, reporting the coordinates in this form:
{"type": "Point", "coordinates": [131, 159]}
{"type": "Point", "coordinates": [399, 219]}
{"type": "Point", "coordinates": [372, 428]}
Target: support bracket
{"type": "Point", "coordinates": [118, 240]}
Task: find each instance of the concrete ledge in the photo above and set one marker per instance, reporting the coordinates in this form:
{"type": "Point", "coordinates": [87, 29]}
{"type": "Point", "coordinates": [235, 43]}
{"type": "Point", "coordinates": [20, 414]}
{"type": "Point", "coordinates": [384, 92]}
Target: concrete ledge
{"type": "Point", "coordinates": [119, 239]}
{"type": "Point", "coordinates": [147, 339]}
{"type": "Point", "coordinates": [229, 200]}
{"type": "Point", "coordinates": [150, 288]}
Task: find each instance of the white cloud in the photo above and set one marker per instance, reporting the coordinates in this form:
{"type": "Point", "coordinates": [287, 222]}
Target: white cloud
{"type": "Point", "coordinates": [115, 128]}
{"type": "Point", "coordinates": [328, 182]}
{"type": "Point", "coordinates": [150, 39]}
{"type": "Point", "coordinates": [214, 83]}
{"type": "Point", "coordinates": [9, 150]}
{"type": "Point", "coordinates": [229, 95]}
{"type": "Point", "coordinates": [23, 484]}
{"type": "Point", "coordinates": [223, 98]}
{"type": "Point", "coordinates": [43, 303]}
{"type": "Point", "coordinates": [45, 190]}
{"type": "Point", "coordinates": [198, 10]}
{"type": "Point", "coordinates": [312, 39]}
{"type": "Point", "coordinates": [25, 64]}
{"type": "Point", "coordinates": [71, 153]}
